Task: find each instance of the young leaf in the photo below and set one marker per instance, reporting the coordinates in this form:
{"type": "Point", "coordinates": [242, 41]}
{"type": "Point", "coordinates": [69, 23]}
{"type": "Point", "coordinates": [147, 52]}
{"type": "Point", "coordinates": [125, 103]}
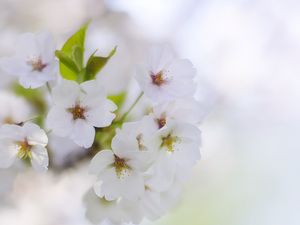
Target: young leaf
{"type": "Point", "coordinates": [74, 50]}
{"type": "Point", "coordinates": [67, 61]}
{"type": "Point", "coordinates": [96, 63]}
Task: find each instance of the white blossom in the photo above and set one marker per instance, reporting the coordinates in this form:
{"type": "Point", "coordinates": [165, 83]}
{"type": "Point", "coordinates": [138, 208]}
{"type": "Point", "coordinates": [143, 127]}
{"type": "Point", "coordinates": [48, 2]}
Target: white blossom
{"type": "Point", "coordinates": [164, 77]}
{"type": "Point", "coordinates": [23, 142]}
{"type": "Point", "coordinates": [116, 212]}
{"type": "Point", "coordinates": [178, 153]}
{"type": "Point", "coordinates": [34, 61]}
{"type": "Point", "coordinates": [77, 109]}
{"type": "Point", "coordinates": [120, 170]}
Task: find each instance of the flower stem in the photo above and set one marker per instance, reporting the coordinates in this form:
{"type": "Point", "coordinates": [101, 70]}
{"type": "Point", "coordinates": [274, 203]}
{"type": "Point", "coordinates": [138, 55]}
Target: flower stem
{"type": "Point", "coordinates": [122, 119]}
{"type": "Point", "coordinates": [31, 119]}
{"type": "Point", "coordinates": [48, 87]}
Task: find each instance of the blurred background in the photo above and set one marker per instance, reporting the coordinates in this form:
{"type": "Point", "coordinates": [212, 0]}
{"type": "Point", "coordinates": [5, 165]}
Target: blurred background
{"type": "Point", "coordinates": [247, 54]}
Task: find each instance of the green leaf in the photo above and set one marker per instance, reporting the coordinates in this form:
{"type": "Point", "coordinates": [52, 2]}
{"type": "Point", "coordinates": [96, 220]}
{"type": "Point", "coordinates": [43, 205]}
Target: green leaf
{"type": "Point", "coordinates": [67, 61]}
{"type": "Point", "coordinates": [77, 54]}
{"type": "Point", "coordinates": [96, 63]}
{"type": "Point", "coordinates": [118, 99]}
{"type": "Point", "coordinates": [74, 50]}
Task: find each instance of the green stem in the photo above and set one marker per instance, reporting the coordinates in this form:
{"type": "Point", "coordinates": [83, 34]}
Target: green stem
{"type": "Point", "coordinates": [48, 87]}
{"type": "Point", "coordinates": [122, 119]}
{"type": "Point", "coordinates": [31, 119]}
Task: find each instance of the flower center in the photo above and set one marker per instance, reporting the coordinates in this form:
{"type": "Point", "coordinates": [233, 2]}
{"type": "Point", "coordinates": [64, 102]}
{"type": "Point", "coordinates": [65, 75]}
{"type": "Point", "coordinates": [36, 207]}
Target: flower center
{"type": "Point", "coordinates": [158, 78]}
{"type": "Point", "coordinates": [120, 166]}
{"type": "Point", "coordinates": [8, 120]}
{"type": "Point", "coordinates": [24, 149]}
{"type": "Point", "coordinates": [77, 112]}
{"type": "Point", "coordinates": [168, 142]}
{"type": "Point", "coordinates": [37, 64]}
{"type": "Point", "coordinates": [161, 122]}
{"type": "Point", "coordinates": [140, 141]}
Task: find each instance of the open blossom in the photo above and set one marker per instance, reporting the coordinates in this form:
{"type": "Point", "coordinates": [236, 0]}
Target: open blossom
{"type": "Point", "coordinates": [23, 142]}
{"type": "Point", "coordinates": [182, 110]}
{"type": "Point", "coordinates": [166, 78]}
{"type": "Point", "coordinates": [34, 60]}
{"type": "Point", "coordinates": [116, 212]}
{"type": "Point", "coordinates": [79, 108]}
{"type": "Point", "coordinates": [120, 170]}
{"type": "Point", "coordinates": [178, 153]}
{"type": "Point", "coordinates": [13, 109]}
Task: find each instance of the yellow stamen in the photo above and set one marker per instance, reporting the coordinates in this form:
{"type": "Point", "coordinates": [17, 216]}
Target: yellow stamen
{"type": "Point", "coordinates": [168, 142]}
{"type": "Point", "coordinates": [77, 112]}
{"type": "Point", "coordinates": [24, 149]}
{"type": "Point", "coordinates": [120, 166]}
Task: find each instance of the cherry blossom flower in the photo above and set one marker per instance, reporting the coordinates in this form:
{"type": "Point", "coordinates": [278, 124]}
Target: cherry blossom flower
{"type": "Point", "coordinates": [120, 170]}
{"type": "Point", "coordinates": [34, 61]}
{"type": "Point", "coordinates": [164, 77]}
{"type": "Point", "coordinates": [77, 109]}
{"type": "Point", "coordinates": [178, 153]}
{"type": "Point", "coordinates": [119, 211]}
{"type": "Point", "coordinates": [23, 142]}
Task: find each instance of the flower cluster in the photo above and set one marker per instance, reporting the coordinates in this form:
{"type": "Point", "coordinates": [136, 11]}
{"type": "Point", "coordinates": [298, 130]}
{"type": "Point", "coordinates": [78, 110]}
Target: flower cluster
{"type": "Point", "coordinates": [150, 158]}
{"type": "Point", "coordinates": [140, 165]}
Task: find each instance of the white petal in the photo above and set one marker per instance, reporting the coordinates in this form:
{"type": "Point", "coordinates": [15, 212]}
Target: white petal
{"type": "Point", "coordinates": [46, 46]}
{"type": "Point", "coordinates": [29, 81]}
{"type": "Point", "coordinates": [93, 88]}
{"type": "Point", "coordinates": [39, 160]}
{"type": "Point", "coordinates": [142, 76]}
{"type": "Point", "coordinates": [182, 68]}
{"type": "Point", "coordinates": [66, 93]}
{"type": "Point", "coordinates": [101, 160]}
{"type": "Point", "coordinates": [35, 135]}
{"type": "Point", "coordinates": [109, 187]}
{"type": "Point", "coordinates": [83, 134]}
{"type": "Point", "coordinates": [160, 57]}
{"type": "Point", "coordinates": [14, 66]}
{"type": "Point", "coordinates": [8, 153]}
{"type": "Point", "coordinates": [188, 153]}
{"type": "Point", "coordinates": [133, 186]}
{"type": "Point", "coordinates": [11, 131]}
{"type": "Point", "coordinates": [114, 187]}
{"type": "Point", "coordinates": [100, 114]}
{"type": "Point", "coordinates": [162, 173]}
{"type": "Point", "coordinates": [184, 110]}
{"type": "Point", "coordinates": [26, 45]}
{"type": "Point", "coordinates": [187, 131]}
{"type": "Point", "coordinates": [60, 121]}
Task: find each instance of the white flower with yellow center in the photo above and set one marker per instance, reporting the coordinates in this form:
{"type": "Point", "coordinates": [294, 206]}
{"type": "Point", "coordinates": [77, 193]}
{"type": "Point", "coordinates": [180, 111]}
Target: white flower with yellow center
{"type": "Point", "coordinates": [166, 78]}
{"type": "Point", "coordinates": [34, 60]}
{"type": "Point", "coordinates": [78, 109]}
{"type": "Point", "coordinates": [120, 170]}
{"type": "Point", "coordinates": [182, 110]}
{"type": "Point", "coordinates": [25, 142]}
{"type": "Point", "coordinates": [178, 153]}
{"type": "Point", "coordinates": [104, 212]}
